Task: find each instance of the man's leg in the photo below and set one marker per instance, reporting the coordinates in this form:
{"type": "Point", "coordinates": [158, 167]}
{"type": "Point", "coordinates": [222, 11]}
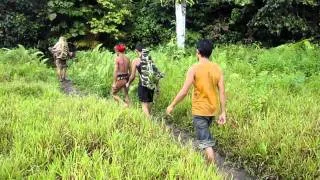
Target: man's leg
{"type": "Point", "coordinates": [126, 94]}
{"type": "Point", "coordinates": [202, 124]}
{"type": "Point", "coordinates": [146, 107]}
{"type": "Point", "coordinates": [210, 155]}
{"type": "Point", "coordinates": [58, 73]}
{"type": "Point", "coordinates": [115, 95]}
{"type": "Point", "coordinates": [64, 73]}
{"type": "Point", "coordinates": [58, 66]}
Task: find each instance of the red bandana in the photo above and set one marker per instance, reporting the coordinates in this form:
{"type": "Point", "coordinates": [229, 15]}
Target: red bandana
{"type": "Point", "coordinates": [120, 48]}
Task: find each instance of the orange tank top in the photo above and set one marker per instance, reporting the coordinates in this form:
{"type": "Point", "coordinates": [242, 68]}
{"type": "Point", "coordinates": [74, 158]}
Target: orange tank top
{"type": "Point", "coordinates": [205, 99]}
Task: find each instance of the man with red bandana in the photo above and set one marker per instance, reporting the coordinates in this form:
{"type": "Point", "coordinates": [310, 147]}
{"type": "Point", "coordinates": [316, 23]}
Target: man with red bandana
{"type": "Point", "coordinates": [121, 73]}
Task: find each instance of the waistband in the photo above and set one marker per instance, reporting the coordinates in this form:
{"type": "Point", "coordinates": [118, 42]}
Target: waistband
{"type": "Point", "coordinates": [122, 76]}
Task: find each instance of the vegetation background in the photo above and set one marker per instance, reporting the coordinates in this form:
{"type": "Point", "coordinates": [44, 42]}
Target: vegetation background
{"type": "Point", "coordinates": [272, 85]}
{"type": "Point", "coordinates": [45, 134]}
{"type": "Point", "coordinates": [272, 102]}
{"type": "Point", "coordinates": [152, 22]}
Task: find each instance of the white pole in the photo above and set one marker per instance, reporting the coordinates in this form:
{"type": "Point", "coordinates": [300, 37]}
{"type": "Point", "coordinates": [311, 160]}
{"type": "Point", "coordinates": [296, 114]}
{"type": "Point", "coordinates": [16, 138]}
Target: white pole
{"type": "Point", "coordinates": [181, 23]}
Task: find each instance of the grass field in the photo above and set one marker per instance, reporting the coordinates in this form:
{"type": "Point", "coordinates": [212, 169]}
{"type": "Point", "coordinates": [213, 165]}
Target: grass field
{"type": "Point", "coordinates": [273, 102]}
{"type": "Point", "coordinates": [45, 134]}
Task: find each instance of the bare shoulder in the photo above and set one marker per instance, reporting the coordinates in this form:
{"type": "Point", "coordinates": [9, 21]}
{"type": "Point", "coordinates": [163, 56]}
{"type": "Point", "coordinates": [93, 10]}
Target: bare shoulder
{"type": "Point", "coordinates": [192, 69]}
{"type": "Point", "coordinates": [136, 61]}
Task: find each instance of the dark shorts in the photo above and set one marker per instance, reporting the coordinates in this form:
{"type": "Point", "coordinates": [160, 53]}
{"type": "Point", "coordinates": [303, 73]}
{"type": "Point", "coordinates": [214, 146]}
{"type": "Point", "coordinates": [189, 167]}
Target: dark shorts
{"type": "Point", "coordinates": [204, 137]}
{"type": "Point", "coordinates": [145, 94]}
{"type": "Point", "coordinates": [61, 63]}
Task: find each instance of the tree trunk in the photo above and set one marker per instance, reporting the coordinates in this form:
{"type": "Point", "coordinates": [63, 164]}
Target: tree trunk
{"type": "Point", "coordinates": [181, 23]}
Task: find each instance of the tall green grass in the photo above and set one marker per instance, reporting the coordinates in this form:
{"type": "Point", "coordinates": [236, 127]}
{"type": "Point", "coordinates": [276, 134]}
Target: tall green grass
{"type": "Point", "coordinates": [273, 103]}
{"type": "Point", "coordinates": [45, 134]}
{"type": "Point", "coordinates": [24, 65]}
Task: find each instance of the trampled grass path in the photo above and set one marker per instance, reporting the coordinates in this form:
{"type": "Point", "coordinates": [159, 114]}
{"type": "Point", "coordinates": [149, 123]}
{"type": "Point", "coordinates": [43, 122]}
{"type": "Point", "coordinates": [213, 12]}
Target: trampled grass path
{"type": "Point", "coordinates": [183, 137]}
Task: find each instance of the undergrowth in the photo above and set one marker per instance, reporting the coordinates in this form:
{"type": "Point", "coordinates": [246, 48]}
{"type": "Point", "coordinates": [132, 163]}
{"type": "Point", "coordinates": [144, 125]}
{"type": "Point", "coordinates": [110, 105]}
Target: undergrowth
{"type": "Point", "coordinates": [45, 134]}
{"type": "Point", "coordinates": [272, 102]}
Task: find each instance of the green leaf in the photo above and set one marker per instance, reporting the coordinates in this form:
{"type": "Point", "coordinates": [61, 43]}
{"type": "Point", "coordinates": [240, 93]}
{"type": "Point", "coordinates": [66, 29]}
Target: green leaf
{"type": "Point", "coordinates": [52, 16]}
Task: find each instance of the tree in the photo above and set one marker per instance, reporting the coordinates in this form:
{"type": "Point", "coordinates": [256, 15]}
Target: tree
{"type": "Point", "coordinates": [38, 23]}
{"type": "Point", "coordinates": [89, 22]}
{"type": "Point", "coordinates": [15, 26]}
{"type": "Point", "coordinates": [180, 11]}
{"type": "Point", "coordinates": [117, 12]}
{"type": "Point", "coordinates": [181, 23]}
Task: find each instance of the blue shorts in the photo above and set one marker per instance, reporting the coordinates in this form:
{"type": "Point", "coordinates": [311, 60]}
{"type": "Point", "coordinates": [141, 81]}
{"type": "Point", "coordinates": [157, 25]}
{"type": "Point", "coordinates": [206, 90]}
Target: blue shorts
{"type": "Point", "coordinates": [201, 125]}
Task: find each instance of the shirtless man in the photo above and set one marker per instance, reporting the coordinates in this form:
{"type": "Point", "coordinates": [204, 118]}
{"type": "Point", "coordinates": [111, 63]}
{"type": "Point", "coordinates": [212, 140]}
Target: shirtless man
{"type": "Point", "coordinates": [121, 73]}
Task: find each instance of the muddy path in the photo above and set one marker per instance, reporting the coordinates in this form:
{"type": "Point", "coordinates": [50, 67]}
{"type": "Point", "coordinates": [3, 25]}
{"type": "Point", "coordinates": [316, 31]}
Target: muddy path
{"type": "Point", "coordinates": [68, 88]}
{"type": "Point", "coordinates": [224, 166]}
{"type": "Point", "coordinates": [183, 137]}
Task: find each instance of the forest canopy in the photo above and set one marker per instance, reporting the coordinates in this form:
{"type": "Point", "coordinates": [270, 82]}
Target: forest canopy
{"type": "Point", "coordinates": [37, 23]}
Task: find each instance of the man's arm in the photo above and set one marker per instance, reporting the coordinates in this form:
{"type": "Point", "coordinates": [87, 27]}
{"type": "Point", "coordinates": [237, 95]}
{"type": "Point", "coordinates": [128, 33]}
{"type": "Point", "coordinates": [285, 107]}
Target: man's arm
{"type": "Point", "coordinates": [183, 92]}
{"type": "Point", "coordinates": [115, 72]}
{"type": "Point", "coordinates": [133, 72]}
{"type": "Point", "coordinates": [129, 67]}
{"type": "Point", "coordinates": [222, 117]}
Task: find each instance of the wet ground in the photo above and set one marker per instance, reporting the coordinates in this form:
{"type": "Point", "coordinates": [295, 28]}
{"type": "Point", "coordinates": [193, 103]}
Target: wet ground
{"type": "Point", "coordinates": [223, 166]}
{"type": "Point", "coordinates": [68, 88]}
{"type": "Point", "coordinates": [184, 137]}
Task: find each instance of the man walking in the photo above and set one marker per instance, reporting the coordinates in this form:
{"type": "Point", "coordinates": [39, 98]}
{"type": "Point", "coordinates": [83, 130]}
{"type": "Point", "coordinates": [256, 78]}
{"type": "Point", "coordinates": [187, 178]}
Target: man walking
{"type": "Point", "coordinates": [149, 77]}
{"type": "Point", "coordinates": [208, 99]}
{"type": "Point", "coordinates": [121, 73]}
{"type": "Point", "coordinates": [61, 54]}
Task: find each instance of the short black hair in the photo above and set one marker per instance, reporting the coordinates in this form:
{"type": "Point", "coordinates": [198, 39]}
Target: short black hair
{"type": "Point", "coordinates": [205, 47]}
{"type": "Point", "coordinates": [139, 47]}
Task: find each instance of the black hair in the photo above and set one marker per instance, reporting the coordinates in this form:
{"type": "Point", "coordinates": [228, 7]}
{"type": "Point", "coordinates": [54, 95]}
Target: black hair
{"type": "Point", "coordinates": [139, 47]}
{"type": "Point", "coordinates": [205, 47]}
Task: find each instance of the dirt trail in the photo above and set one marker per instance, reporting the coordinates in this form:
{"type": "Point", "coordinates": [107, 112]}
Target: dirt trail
{"type": "Point", "coordinates": [228, 171]}
{"type": "Point", "coordinates": [68, 88]}
{"type": "Point", "coordinates": [183, 137]}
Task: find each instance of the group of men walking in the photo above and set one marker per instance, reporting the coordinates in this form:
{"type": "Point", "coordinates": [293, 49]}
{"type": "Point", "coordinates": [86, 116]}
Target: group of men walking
{"type": "Point", "coordinates": [206, 77]}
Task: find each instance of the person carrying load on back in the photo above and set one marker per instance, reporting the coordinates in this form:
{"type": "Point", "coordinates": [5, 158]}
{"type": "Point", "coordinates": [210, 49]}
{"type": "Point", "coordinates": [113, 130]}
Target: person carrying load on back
{"type": "Point", "coordinates": [121, 73]}
{"type": "Point", "coordinates": [149, 78]}
{"type": "Point", "coordinates": [208, 100]}
{"type": "Point", "coordinates": [61, 54]}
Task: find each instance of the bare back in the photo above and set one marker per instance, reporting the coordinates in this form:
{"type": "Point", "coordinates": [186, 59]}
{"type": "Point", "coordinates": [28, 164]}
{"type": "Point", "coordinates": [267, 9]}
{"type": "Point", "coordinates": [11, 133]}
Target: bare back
{"type": "Point", "coordinates": [123, 64]}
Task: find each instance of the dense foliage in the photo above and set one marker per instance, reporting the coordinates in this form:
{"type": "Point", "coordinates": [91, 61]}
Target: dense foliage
{"type": "Point", "coordinates": [272, 102]}
{"type": "Point", "coordinates": [47, 135]}
{"type": "Point", "coordinates": [89, 23]}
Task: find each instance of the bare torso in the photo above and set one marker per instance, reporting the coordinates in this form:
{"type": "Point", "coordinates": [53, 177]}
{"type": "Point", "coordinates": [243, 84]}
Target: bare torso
{"type": "Point", "coordinates": [123, 64]}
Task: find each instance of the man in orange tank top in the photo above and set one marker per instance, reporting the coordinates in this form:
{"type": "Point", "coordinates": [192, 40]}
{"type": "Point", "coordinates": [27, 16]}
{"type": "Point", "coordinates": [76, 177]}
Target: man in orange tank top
{"type": "Point", "coordinates": [208, 100]}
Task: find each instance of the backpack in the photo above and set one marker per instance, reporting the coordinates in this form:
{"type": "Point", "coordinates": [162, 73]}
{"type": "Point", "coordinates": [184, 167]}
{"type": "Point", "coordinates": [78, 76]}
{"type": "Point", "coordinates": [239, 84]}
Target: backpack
{"type": "Point", "coordinates": [150, 75]}
{"type": "Point", "coordinates": [59, 53]}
